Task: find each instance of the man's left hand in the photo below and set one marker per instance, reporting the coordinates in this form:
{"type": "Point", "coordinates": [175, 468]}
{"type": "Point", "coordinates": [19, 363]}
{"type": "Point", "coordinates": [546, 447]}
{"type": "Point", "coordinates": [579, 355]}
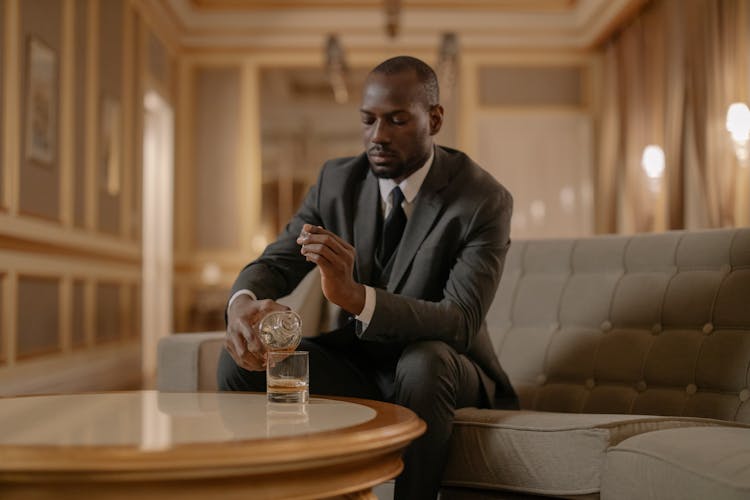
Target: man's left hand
{"type": "Point", "coordinates": [335, 258]}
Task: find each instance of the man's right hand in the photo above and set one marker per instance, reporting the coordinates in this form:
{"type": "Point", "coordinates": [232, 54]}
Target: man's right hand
{"type": "Point", "coordinates": [242, 340]}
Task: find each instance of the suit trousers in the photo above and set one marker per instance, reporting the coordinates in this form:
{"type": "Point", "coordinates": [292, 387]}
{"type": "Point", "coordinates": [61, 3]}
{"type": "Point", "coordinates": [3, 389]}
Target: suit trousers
{"type": "Point", "coordinates": [428, 377]}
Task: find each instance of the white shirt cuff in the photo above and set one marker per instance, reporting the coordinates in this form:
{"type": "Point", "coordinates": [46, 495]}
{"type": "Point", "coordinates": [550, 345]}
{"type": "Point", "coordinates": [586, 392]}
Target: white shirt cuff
{"type": "Point", "coordinates": [238, 293]}
{"type": "Point", "coordinates": [366, 315]}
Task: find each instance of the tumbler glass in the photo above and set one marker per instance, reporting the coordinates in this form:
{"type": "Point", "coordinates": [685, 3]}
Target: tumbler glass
{"type": "Point", "coordinates": [287, 377]}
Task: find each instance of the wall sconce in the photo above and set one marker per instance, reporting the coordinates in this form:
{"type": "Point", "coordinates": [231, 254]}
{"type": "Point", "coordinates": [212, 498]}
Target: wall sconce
{"type": "Point", "coordinates": [336, 68]}
{"type": "Point", "coordinates": [210, 274]}
{"type": "Point", "coordinates": [653, 164]}
{"type": "Point", "coordinates": [738, 125]}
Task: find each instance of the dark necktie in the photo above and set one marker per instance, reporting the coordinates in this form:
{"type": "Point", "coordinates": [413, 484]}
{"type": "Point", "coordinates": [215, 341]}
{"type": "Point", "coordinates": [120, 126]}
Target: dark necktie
{"type": "Point", "coordinates": [393, 227]}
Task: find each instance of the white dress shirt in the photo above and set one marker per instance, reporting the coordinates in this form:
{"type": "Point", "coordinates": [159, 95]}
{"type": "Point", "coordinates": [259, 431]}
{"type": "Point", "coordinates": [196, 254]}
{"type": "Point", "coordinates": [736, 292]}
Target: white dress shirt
{"type": "Point", "coordinates": [410, 187]}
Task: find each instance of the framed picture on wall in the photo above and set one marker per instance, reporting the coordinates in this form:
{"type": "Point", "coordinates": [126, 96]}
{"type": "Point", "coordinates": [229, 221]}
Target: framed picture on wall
{"type": "Point", "coordinates": [41, 102]}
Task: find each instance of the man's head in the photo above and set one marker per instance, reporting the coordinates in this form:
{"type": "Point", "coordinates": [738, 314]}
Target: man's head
{"type": "Point", "coordinates": [400, 113]}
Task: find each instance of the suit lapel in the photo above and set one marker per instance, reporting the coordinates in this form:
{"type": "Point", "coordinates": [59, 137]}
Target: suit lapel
{"type": "Point", "coordinates": [428, 207]}
{"type": "Point", "coordinates": [366, 227]}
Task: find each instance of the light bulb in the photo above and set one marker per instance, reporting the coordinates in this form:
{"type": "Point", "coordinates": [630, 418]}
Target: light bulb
{"type": "Point", "coordinates": [738, 121]}
{"type": "Point", "coordinates": [652, 161]}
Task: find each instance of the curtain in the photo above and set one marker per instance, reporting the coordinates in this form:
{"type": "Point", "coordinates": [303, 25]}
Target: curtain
{"type": "Point", "coordinates": [668, 78]}
{"type": "Point", "coordinates": [608, 154]}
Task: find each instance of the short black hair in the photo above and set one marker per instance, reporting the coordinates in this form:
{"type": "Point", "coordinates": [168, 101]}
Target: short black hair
{"type": "Point", "coordinates": [425, 75]}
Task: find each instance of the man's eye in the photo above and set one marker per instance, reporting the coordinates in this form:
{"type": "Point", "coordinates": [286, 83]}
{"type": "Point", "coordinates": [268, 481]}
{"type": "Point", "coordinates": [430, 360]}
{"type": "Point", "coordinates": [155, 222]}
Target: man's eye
{"type": "Point", "coordinates": [399, 120]}
{"type": "Point", "coordinates": [368, 120]}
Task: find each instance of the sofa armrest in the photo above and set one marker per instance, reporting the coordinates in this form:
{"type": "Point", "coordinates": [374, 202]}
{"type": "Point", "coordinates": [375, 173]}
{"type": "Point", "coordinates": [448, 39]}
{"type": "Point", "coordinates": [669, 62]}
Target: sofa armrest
{"type": "Point", "coordinates": [187, 361]}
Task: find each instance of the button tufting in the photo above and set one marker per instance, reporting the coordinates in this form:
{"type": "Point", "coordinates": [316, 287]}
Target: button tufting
{"type": "Point", "coordinates": [656, 328]}
{"type": "Point", "coordinates": [553, 327]}
{"type": "Point", "coordinates": [708, 328]}
{"type": "Point", "coordinates": [541, 379]}
{"type": "Point", "coordinates": [691, 389]}
{"type": "Point", "coordinates": [726, 269]}
{"type": "Point", "coordinates": [590, 383]}
{"type": "Point", "coordinates": [606, 326]}
{"type": "Point", "coordinates": [641, 386]}
{"type": "Point", "coordinates": [744, 395]}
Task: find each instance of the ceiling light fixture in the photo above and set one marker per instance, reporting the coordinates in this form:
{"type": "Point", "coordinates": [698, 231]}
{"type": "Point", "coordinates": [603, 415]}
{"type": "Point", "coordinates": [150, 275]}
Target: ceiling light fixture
{"type": "Point", "coordinates": [392, 17]}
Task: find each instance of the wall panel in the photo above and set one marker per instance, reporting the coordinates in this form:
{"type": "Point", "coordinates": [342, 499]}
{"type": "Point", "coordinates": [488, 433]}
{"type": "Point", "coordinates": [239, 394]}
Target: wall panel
{"type": "Point", "coordinates": [108, 320]}
{"type": "Point", "coordinates": [521, 148]}
{"type": "Point", "coordinates": [38, 316]}
{"type": "Point", "coordinates": [110, 82]}
{"type": "Point", "coordinates": [216, 137]}
{"type": "Point", "coordinates": [137, 132]}
{"type": "Point", "coordinates": [79, 155]}
{"type": "Point", "coordinates": [79, 320]}
{"type": "Point", "coordinates": [135, 312]}
{"type": "Point", "coordinates": [39, 181]}
{"type": "Point", "coordinates": [3, 202]}
{"type": "Point", "coordinates": [158, 60]}
{"type": "Point", "coordinates": [3, 333]}
{"type": "Point", "coordinates": [531, 86]}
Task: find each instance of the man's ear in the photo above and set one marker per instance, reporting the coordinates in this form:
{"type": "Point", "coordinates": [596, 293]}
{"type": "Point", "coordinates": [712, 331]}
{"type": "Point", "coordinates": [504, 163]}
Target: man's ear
{"type": "Point", "coordinates": [436, 119]}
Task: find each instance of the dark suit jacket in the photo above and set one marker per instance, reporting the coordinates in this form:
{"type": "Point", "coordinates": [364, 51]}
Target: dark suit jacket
{"type": "Point", "coordinates": [446, 270]}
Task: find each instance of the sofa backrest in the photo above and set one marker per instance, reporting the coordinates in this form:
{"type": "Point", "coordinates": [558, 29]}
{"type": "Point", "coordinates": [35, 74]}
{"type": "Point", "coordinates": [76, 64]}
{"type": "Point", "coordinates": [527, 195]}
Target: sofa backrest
{"type": "Point", "coordinates": [646, 324]}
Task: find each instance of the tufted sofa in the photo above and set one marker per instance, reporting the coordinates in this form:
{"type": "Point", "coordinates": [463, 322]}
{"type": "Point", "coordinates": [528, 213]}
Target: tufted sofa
{"type": "Point", "coordinates": [631, 358]}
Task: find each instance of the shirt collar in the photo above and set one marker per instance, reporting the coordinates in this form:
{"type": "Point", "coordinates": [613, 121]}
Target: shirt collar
{"type": "Point", "coordinates": [409, 186]}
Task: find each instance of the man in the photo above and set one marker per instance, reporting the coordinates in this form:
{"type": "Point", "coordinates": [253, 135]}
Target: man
{"type": "Point", "coordinates": [410, 240]}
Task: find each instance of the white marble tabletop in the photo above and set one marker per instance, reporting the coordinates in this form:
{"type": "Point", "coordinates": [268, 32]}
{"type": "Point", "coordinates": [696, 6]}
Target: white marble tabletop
{"type": "Point", "coordinates": [154, 421]}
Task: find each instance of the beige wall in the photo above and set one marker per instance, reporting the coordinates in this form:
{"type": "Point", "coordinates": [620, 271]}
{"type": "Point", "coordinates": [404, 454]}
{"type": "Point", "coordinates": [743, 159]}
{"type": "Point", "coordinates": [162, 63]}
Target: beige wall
{"type": "Point", "coordinates": [70, 256]}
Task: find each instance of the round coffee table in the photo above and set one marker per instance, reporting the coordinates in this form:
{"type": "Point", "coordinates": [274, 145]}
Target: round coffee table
{"type": "Point", "coordinates": [148, 444]}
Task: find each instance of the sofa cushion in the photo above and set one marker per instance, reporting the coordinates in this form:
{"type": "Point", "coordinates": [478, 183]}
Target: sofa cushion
{"type": "Point", "coordinates": [542, 452]}
{"type": "Point", "coordinates": [680, 464]}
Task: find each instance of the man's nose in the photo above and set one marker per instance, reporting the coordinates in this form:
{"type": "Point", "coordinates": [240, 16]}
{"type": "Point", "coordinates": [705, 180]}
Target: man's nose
{"type": "Point", "coordinates": [379, 133]}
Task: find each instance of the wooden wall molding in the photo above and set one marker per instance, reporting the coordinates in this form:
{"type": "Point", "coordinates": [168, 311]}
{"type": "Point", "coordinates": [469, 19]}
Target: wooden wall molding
{"type": "Point", "coordinates": [10, 316]}
{"type": "Point", "coordinates": [91, 109]}
{"type": "Point", "coordinates": [57, 266]}
{"type": "Point", "coordinates": [184, 172]}
{"type": "Point", "coordinates": [3, 314]}
{"type": "Point", "coordinates": [11, 106]}
{"type": "Point", "coordinates": [160, 20]}
{"type": "Point", "coordinates": [109, 367]}
{"type": "Point", "coordinates": [45, 236]}
{"type": "Point", "coordinates": [129, 108]}
{"type": "Point", "coordinates": [66, 125]}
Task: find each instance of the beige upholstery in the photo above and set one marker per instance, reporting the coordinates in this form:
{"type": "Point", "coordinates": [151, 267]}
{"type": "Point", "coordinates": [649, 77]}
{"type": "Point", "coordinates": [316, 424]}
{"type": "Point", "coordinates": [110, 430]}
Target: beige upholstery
{"type": "Point", "coordinates": [637, 340]}
{"type": "Point", "coordinates": [651, 324]}
{"type": "Point", "coordinates": [680, 464]}
{"type": "Point", "coordinates": [547, 453]}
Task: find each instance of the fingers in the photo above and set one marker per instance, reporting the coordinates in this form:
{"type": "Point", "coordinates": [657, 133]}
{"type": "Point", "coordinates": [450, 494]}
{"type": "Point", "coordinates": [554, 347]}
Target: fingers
{"type": "Point", "coordinates": [324, 247]}
{"type": "Point", "coordinates": [315, 234]}
{"type": "Point", "coordinates": [248, 360]}
{"type": "Point", "coordinates": [242, 340]}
